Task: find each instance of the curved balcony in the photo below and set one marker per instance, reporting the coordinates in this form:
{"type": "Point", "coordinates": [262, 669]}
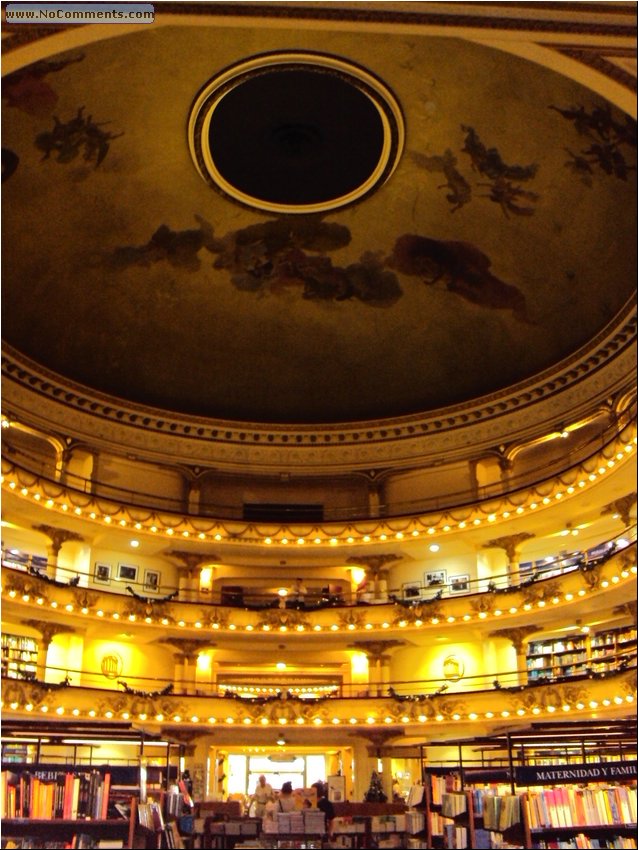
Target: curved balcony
{"type": "Point", "coordinates": [99, 502]}
{"type": "Point", "coordinates": [610, 694]}
{"type": "Point", "coordinates": [537, 599]}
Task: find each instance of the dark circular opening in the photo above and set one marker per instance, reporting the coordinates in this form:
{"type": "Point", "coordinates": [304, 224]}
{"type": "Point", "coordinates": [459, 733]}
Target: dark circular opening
{"type": "Point", "coordinates": [296, 136]}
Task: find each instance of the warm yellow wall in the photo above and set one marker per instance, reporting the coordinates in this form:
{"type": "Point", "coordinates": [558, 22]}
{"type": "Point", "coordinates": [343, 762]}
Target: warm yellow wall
{"type": "Point", "coordinates": [416, 664]}
{"type": "Point", "coordinates": [415, 570]}
{"type": "Point", "coordinates": [338, 492]}
{"type": "Point", "coordinates": [65, 656]}
{"type": "Point", "coordinates": [408, 487]}
{"type": "Point", "coordinates": [139, 477]}
{"type": "Point", "coordinates": [168, 572]}
{"type": "Point", "coordinates": [137, 663]}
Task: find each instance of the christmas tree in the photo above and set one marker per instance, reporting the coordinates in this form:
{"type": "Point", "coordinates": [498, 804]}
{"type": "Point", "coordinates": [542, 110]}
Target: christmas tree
{"type": "Point", "coordinates": [375, 794]}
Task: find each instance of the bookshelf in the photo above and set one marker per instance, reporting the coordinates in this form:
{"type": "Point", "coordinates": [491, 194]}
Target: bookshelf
{"type": "Point", "coordinates": [45, 833]}
{"type": "Point", "coordinates": [443, 790]}
{"type": "Point", "coordinates": [577, 654]}
{"type": "Point", "coordinates": [513, 781]}
{"type": "Point", "coordinates": [607, 646]}
{"type": "Point", "coordinates": [19, 656]}
{"type": "Point", "coordinates": [604, 813]}
{"type": "Point", "coordinates": [549, 659]}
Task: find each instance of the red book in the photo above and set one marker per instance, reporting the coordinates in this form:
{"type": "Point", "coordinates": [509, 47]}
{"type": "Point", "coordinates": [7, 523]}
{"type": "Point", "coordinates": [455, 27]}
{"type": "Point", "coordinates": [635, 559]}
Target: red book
{"type": "Point", "coordinates": [106, 787]}
{"type": "Point", "coordinates": [579, 807]}
{"type": "Point", "coordinates": [68, 796]}
{"type": "Point", "coordinates": [187, 797]}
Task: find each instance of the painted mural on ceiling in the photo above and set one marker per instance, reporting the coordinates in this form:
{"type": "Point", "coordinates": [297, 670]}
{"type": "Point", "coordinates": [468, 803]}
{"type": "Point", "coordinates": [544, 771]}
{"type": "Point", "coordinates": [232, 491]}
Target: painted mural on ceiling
{"type": "Point", "coordinates": [500, 245]}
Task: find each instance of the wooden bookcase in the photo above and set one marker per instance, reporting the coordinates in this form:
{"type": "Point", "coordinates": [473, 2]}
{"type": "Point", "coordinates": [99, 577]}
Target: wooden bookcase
{"type": "Point", "coordinates": [561, 812]}
{"type": "Point", "coordinates": [578, 654]}
{"type": "Point", "coordinates": [19, 657]}
{"type": "Point", "coordinates": [128, 831]}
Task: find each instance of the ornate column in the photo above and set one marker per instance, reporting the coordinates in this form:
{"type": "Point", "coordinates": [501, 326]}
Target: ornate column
{"type": "Point", "coordinates": [48, 632]}
{"type": "Point", "coordinates": [376, 576]}
{"type": "Point", "coordinates": [378, 751]}
{"type": "Point", "coordinates": [194, 748]}
{"type": "Point", "coordinates": [57, 536]}
{"type": "Point", "coordinates": [185, 675]}
{"type": "Point", "coordinates": [188, 575]}
{"type": "Point", "coordinates": [378, 662]}
{"type": "Point", "coordinates": [518, 637]}
{"type": "Point", "coordinates": [194, 496]}
{"type": "Point", "coordinates": [511, 544]}
{"type": "Point", "coordinates": [384, 664]}
{"type": "Point", "coordinates": [374, 500]}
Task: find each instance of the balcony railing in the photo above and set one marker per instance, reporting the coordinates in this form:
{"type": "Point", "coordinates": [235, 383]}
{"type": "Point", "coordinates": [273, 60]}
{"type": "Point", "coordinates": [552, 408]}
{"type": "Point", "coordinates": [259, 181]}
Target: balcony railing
{"type": "Point", "coordinates": [577, 453]}
{"type": "Point", "coordinates": [263, 691]}
{"type": "Point", "coordinates": [408, 595]}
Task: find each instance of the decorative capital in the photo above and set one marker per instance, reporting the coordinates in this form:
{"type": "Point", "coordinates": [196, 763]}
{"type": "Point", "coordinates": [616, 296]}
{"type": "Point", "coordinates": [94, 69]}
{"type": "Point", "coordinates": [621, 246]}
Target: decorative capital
{"type": "Point", "coordinates": [49, 630]}
{"type": "Point", "coordinates": [376, 649]}
{"type": "Point", "coordinates": [628, 608]}
{"type": "Point", "coordinates": [191, 560]}
{"type": "Point", "coordinates": [510, 543]}
{"type": "Point", "coordinates": [373, 563]}
{"type": "Point", "coordinates": [57, 536]}
{"type": "Point", "coordinates": [621, 508]}
{"type": "Point", "coordinates": [188, 648]}
{"type": "Point", "coordinates": [378, 739]}
{"type": "Point", "coordinates": [517, 636]}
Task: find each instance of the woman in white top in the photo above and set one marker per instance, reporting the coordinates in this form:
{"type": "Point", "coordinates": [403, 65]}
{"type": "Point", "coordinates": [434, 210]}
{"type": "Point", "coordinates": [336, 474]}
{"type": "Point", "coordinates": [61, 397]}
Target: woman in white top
{"type": "Point", "coordinates": [286, 802]}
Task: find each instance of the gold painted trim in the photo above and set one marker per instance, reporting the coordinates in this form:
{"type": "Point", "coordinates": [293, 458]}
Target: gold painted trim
{"type": "Point", "coordinates": [213, 93]}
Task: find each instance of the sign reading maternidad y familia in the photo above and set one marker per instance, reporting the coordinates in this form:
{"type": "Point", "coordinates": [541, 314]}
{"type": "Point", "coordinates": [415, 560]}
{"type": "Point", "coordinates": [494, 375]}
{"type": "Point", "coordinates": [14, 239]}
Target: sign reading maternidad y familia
{"type": "Point", "coordinates": [555, 774]}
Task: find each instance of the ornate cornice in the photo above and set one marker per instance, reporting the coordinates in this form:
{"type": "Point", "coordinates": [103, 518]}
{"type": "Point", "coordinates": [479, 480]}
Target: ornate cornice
{"type": "Point", "coordinates": [47, 401]}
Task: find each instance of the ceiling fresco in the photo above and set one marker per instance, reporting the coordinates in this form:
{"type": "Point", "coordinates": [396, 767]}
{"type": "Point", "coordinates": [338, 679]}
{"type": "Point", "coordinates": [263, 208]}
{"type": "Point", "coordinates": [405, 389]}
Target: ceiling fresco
{"type": "Point", "coordinates": [501, 243]}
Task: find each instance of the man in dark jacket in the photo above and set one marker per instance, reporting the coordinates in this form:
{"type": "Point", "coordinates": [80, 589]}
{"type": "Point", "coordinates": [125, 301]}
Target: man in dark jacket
{"type": "Point", "coordinates": [324, 805]}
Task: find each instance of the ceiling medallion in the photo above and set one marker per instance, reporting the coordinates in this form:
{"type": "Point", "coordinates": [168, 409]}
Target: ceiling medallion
{"type": "Point", "coordinates": [296, 132]}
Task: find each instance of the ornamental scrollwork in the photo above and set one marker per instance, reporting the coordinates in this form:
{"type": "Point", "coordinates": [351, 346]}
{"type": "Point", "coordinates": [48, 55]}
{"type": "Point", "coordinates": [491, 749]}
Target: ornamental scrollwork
{"type": "Point", "coordinates": [591, 577]}
{"type": "Point", "coordinates": [286, 709]}
{"type": "Point", "coordinates": [283, 618]}
{"type": "Point", "coordinates": [541, 592]}
{"type": "Point", "coordinates": [215, 619]}
{"type": "Point", "coordinates": [483, 605]}
{"type": "Point", "coordinates": [85, 598]}
{"type": "Point", "coordinates": [352, 620]}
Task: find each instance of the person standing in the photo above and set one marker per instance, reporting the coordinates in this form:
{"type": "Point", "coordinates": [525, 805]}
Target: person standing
{"type": "Point", "coordinates": [299, 592]}
{"type": "Point", "coordinates": [286, 801]}
{"type": "Point", "coordinates": [263, 794]}
{"type": "Point", "coordinates": [324, 805]}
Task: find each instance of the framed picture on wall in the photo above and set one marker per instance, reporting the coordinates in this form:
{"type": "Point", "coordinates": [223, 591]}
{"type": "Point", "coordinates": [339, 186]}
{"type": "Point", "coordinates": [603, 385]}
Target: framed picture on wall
{"type": "Point", "coordinates": [151, 580]}
{"type": "Point", "coordinates": [125, 572]}
{"type": "Point", "coordinates": [411, 589]}
{"type": "Point", "coordinates": [102, 573]}
{"type": "Point", "coordinates": [459, 584]}
{"type": "Point", "coordinates": [436, 578]}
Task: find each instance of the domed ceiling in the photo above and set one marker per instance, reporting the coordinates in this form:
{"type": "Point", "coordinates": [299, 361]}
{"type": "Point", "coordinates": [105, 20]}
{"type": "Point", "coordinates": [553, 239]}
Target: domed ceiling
{"type": "Point", "coordinates": [496, 238]}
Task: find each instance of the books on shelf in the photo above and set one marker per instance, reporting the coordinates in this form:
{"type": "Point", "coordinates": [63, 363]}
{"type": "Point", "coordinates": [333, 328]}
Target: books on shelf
{"type": "Point", "coordinates": [569, 806]}
{"type": "Point", "coordinates": [446, 784]}
{"type": "Point", "coordinates": [54, 795]}
{"type": "Point", "coordinates": [455, 836]}
{"type": "Point", "coordinates": [453, 804]}
{"type": "Point", "coordinates": [500, 812]}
